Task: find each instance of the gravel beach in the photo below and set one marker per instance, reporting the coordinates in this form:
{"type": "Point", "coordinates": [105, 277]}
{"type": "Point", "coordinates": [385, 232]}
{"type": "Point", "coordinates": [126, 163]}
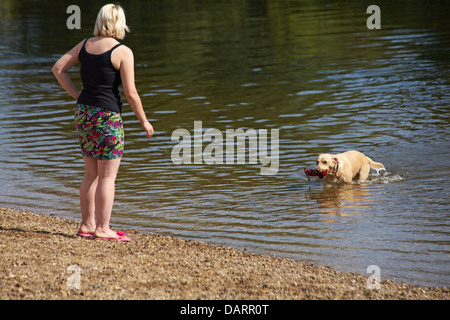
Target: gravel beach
{"type": "Point", "coordinates": [42, 258]}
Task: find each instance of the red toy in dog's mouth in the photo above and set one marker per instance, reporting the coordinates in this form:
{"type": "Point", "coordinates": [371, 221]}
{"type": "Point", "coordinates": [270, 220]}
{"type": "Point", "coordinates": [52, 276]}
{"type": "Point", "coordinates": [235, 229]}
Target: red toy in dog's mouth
{"type": "Point", "coordinates": [315, 173]}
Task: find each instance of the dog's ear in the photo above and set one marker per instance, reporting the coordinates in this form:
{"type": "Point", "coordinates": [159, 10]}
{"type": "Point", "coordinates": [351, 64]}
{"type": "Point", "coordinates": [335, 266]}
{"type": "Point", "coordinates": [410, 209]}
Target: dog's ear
{"type": "Point", "coordinates": [336, 160]}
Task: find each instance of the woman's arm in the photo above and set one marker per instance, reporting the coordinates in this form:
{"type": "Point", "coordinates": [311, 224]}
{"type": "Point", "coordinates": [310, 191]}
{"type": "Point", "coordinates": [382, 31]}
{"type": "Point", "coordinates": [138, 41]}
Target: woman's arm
{"type": "Point", "coordinates": [129, 88]}
{"type": "Point", "coordinates": [64, 64]}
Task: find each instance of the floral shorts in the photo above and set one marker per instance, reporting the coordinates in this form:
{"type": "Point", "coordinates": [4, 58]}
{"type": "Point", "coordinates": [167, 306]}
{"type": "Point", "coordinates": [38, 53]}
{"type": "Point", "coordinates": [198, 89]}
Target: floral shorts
{"type": "Point", "coordinates": [100, 132]}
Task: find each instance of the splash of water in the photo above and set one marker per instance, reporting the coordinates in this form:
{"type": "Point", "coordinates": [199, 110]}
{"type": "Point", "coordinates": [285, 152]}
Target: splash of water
{"type": "Point", "coordinates": [382, 176]}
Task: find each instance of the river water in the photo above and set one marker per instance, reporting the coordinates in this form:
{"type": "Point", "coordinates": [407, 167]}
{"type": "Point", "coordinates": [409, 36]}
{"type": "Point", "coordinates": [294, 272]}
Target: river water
{"type": "Point", "coordinates": [312, 71]}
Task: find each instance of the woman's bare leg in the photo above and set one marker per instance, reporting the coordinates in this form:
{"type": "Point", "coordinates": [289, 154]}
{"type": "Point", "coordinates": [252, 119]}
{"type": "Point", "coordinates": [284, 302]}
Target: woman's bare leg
{"type": "Point", "coordinates": [87, 196]}
{"type": "Point", "coordinates": [104, 195]}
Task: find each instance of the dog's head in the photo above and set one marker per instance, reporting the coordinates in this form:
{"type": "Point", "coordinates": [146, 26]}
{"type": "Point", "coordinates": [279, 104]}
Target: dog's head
{"type": "Point", "coordinates": [327, 162]}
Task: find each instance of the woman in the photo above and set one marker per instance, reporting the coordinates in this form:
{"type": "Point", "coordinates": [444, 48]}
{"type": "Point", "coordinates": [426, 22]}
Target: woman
{"type": "Point", "coordinates": [105, 64]}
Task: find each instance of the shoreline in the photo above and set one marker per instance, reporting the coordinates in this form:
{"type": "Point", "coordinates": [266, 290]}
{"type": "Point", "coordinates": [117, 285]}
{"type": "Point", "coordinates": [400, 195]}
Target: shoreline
{"type": "Point", "coordinates": [42, 258]}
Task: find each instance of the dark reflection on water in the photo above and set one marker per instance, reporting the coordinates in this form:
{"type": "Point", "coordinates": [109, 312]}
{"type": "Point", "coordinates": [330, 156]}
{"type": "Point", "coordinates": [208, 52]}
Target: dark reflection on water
{"type": "Point", "coordinates": [312, 70]}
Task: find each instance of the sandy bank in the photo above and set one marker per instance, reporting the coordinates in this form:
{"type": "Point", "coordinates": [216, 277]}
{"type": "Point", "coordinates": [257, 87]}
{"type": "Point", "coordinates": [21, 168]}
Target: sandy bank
{"type": "Point", "coordinates": [42, 258]}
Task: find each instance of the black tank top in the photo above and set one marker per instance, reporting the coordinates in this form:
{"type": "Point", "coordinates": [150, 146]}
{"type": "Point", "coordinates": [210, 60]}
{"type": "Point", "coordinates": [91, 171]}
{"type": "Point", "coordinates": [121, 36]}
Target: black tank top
{"type": "Point", "coordinates": [100, 80]}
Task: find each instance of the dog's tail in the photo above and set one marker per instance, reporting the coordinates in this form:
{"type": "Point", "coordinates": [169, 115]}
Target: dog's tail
{"type": "Point", "coordinates": [375, 165]}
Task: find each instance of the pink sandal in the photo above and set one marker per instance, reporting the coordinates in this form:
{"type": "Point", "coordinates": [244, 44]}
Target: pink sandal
{"type": "Point", "coordinates": [85, 235]}
{"type": "Point", "coordinates": [120, 236]}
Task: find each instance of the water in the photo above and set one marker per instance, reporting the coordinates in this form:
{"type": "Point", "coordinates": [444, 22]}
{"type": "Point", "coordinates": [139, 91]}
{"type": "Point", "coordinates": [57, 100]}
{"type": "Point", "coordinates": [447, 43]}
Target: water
{"type": "Point", "coordinates": [314, 71]}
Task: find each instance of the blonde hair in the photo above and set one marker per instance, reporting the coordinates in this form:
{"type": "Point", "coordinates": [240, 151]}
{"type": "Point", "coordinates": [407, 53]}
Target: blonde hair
{"type": "Point", "coordinates": [111, 22]}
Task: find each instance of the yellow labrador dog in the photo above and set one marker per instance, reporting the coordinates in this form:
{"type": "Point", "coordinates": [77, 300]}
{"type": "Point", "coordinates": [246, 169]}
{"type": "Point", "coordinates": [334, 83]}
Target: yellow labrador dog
{"type": "Point", "coordinates": [344, 167]}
